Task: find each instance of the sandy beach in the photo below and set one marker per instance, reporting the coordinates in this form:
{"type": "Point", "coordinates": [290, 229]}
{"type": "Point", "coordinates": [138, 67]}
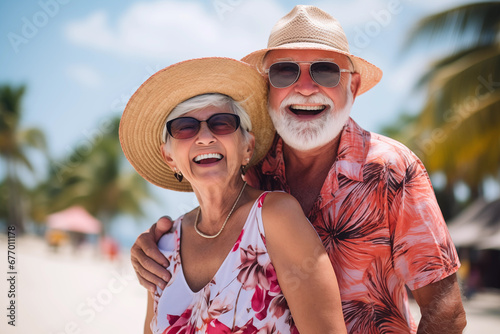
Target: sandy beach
{"type": "Point", "coordinates": [84, 293]}
{"type": "Point", "coordinates": [68, 292]}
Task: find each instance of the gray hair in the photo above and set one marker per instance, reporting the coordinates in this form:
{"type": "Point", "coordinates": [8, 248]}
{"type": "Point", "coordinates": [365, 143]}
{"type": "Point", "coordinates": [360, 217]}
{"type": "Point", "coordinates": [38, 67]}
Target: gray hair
{"type": "Point", "coordinates": [211, 99]}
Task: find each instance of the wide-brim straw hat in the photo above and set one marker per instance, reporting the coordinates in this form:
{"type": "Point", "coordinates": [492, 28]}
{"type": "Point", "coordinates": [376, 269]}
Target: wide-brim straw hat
{"type": "Point", "coordinates": [144, 117]}
{"type": "Point", "coordinates": [308, 27]}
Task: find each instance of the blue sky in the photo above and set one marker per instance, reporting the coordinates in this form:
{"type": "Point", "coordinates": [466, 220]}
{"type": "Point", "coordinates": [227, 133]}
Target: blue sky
{"type": "Point", "coordinates": [82, 60]}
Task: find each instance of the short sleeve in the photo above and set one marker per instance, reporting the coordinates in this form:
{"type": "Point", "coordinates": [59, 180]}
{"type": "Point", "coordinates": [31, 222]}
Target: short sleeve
{"type": "Point", "coordinates": [423, 252]}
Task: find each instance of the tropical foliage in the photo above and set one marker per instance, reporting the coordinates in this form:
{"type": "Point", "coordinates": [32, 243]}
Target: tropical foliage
{"type": "Point", "coordinates": [457, 132]}
{"type": "Point", "coordinates": [94, 175]}
{"type": "Point", "coordinates": [14, 141]}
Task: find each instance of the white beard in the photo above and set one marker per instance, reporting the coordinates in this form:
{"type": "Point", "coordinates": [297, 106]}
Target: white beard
{"type": "Point", "coordinates": [304, 135]}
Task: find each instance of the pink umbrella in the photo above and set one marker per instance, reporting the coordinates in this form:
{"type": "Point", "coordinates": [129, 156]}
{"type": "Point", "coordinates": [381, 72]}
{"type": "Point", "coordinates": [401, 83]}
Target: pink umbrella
{"type": "Point", "coordinates": [75, 219]}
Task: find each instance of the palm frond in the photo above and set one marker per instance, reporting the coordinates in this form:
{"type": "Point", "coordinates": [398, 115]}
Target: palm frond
{"type": "Point", "coordinates": [461, 86]}
{"type": "Point", "coordinates": [468, 149]}
{"type": "Point", "coordinates": [437, 65]}
{"type": "Point", "coordinates": [92, 176]}
{"type": "Point", "coordinates": [457, 132]}
{"type": "Point", "coordinates": [471, 25]}
{"type": "Point", "coordinates": [33, 137]}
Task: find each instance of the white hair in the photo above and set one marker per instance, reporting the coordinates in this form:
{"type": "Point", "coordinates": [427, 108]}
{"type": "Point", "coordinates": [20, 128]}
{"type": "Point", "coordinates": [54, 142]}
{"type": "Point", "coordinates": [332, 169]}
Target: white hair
{"type": "Point", "coordinates": [211, 99]}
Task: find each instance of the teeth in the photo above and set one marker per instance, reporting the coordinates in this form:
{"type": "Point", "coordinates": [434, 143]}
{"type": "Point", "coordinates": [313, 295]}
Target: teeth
{"type": "Point", "coordinates": [306, 107]}
{"type": "Point", "coordinates": [207, 156]}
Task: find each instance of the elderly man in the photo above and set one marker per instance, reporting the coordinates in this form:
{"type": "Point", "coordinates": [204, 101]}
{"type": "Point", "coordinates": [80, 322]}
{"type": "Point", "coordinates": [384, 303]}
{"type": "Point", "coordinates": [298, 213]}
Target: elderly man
{"type": "Point", "coordinates": [369, 197]}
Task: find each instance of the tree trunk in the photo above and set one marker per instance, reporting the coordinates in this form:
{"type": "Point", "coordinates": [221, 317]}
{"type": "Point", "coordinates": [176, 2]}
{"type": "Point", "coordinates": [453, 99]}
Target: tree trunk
{"type": "Point", "coordinates": [447, 201]}
{"type": "Point", "coordinates": [476, 192]}
{"type": "Point", "coordinates": [14, 208]}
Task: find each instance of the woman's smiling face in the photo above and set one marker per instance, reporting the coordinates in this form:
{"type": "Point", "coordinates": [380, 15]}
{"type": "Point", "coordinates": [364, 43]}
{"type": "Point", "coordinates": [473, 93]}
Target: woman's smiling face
{"type": "Point", "coordinates": [207, 157]}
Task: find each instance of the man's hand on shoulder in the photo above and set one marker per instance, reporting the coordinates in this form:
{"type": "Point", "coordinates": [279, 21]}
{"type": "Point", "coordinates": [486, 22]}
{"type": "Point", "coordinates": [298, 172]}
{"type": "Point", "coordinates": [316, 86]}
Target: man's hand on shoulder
{"type": "Point", "coordinates": [149, 263]}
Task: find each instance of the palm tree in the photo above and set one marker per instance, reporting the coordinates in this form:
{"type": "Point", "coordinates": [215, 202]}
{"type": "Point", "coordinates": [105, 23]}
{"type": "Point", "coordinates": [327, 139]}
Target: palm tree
{"type": "Point", "coordinates": [13, 142]}
{"type": "Point", "coordinates": [97, 179]}
{"type": "Point", "coordinates": [458, 130]}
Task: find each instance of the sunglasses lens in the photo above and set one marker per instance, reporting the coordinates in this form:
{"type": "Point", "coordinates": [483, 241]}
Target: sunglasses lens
{"type": "Point", "coordinates": [223, 124]}
{"type": "Point", "coordinates": [188, 127]}
{"type": "Point", "coordinates": [283, 74]}
{"type": "Point", "coordinates": [325, 73]}
{"type": "Point", "coordinates": [183, 127]}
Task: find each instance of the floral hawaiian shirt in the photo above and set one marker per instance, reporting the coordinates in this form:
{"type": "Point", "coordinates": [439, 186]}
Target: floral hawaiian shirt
{"type": "Point", "coordinates": [243, 297]}
{"type": "Point", "coordinates": [380, 223]}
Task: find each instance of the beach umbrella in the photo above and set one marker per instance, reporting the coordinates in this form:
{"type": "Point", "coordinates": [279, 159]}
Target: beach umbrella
{"type": "Point", "coordinates": [74, 219]}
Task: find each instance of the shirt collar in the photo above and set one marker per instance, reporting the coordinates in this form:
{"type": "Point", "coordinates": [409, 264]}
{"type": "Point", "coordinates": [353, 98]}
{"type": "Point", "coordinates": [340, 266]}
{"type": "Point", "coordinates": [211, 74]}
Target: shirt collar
{"type": "Point", "coordinates": [352, 152]}
{"type": "Point", "coordinates": [274, 163]}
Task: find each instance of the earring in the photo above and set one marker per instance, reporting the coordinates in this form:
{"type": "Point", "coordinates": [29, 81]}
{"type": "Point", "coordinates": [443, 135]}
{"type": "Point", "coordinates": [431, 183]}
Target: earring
{"type": "Point", "coordinates": [243, 169]}
{"type": "Point", "coordinates": [178, 175]}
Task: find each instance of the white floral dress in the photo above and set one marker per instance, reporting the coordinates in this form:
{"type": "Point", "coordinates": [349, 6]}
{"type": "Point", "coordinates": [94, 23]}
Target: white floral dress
{"type": "Point", "coordinates": [243, 296]}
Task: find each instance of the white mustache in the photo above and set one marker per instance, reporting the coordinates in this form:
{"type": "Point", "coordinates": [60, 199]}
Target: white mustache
{"type": "Point", "coordinates": [305, 135]}
{"type": "Point", "coordinates": [318, 98]}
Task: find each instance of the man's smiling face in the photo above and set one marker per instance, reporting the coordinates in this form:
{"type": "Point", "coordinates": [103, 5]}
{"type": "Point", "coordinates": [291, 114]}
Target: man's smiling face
{"type": "Point", "coordinates": [306, 114]}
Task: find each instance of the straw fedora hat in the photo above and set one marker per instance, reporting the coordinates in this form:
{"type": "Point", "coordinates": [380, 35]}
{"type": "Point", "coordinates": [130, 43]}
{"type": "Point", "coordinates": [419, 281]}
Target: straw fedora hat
{"type": "Point", "coordinates": [308, 27]}
{"type": "Point", "coordinates": [144, 117]}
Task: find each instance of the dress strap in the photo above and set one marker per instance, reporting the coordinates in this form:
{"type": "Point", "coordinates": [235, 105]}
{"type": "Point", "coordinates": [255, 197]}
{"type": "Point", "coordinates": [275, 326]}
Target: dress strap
{"type": "Point", "coordinates": [260, 223]}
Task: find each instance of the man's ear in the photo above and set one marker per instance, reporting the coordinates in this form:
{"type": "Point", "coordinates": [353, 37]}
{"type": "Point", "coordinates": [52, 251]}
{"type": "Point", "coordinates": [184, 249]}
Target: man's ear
{"type": "Point", "coordinates": [249, 149]}
{"type": "Point", "coordinates": [355, 83]}
{"type": "Point", "coordinates": [167, 156]}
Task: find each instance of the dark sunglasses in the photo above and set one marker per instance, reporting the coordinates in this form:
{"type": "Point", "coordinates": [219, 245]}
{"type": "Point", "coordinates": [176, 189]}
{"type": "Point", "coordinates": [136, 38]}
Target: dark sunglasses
{"type": "Point", "coordinates": [188, 127]}
{"type": "Point", "coordinates": [286, 73]}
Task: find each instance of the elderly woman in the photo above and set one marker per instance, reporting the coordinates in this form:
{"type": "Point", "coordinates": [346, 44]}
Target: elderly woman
{"type": "Point", "coordinates": [244, 261]}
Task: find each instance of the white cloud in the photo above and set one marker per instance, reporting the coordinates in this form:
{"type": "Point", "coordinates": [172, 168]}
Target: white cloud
{"type": "Point", "coordinates": [84, 75]}
{"type": "Point", "coordinates": [177, 30]}
{"type": "Point", "coordinates": [173, 30]}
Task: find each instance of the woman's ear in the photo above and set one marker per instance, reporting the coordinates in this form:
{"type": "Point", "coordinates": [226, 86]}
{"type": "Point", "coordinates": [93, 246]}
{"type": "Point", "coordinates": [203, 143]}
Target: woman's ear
{"type": "Point", "coordinates": [167, 156]}
{"type": "Point", "coordinates": [249, 149]}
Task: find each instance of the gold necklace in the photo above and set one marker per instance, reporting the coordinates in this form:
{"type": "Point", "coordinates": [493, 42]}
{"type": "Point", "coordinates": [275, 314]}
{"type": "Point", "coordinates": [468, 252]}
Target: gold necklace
{"type": "Point", "coordinates": [225, 222]}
